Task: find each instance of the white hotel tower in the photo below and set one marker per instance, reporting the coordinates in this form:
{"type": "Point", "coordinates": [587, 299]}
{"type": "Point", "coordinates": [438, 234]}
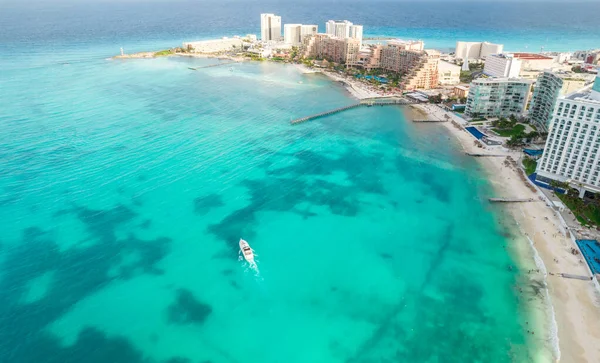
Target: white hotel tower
{"type": "Point", "coordinates": [572, 149]}
{"type": "Point", "coordinates": [270, 28]}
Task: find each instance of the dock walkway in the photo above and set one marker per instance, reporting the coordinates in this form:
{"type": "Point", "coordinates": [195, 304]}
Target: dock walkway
{"type": "Point", "coordinates": [366, 102]}
{"type": "Point", "coordinates": [511, 200]}
{"type": "Point", "coordinates": [212, 65]}
{"type": "Point", "coordinates": [486, 155]}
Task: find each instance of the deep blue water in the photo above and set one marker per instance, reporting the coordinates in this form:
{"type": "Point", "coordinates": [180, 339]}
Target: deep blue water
{"type": "Point", "coordinates": [526, 25]}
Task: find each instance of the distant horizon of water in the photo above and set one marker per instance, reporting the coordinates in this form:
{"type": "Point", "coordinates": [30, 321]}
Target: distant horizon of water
{"type": "Point", "coordinates": [139, 26]}
{"type": "Point", "coordinates": [127, 184]}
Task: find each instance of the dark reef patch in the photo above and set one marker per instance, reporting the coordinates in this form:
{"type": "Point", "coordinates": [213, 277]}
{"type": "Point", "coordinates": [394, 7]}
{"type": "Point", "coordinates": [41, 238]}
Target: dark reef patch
{"type": "Point", "coordinates": [79, 272]}
{"type": "Point", "coordinates": [103, 223]}
{"type": "Point", "coordinates": [178, 360]}
{"type": "Point", "coordinates": [286, 187]}
{"type": "Point", "coordinates": [187, 309]}
{"type": "Point", "coordinates": [203, 205]}
{"type": "Point", "coordinates": [92, 346]}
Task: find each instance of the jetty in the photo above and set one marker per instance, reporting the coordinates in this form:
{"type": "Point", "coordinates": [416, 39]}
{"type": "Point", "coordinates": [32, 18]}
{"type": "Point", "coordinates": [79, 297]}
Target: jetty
{"type": "Point", "coordinates": [576, 277]}
{"type": "Point", "coordinates": [212, 65]}
{"type": "Point", "coordinates": [429, 120]}
{"type": "Point", "coordinates": [326, 113]}
{"type": "Point", "coordinates": [387, 101]}
{"type": "Point", "coordinates": [511, 200]}
{"type": "Point", "coordinates": [486, 155]}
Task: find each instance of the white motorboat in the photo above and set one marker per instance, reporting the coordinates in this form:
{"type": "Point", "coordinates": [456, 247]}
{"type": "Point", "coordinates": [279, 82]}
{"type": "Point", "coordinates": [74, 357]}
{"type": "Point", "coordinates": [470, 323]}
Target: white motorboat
{"type": "Point", "coordinates": [247, 252]}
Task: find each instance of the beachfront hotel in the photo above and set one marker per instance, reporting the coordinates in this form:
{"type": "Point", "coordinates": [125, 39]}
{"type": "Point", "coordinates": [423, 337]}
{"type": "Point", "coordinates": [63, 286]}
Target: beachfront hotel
{"type": "Point", "coordinates": [548, 88]}
{"type": "Point", "coordinates": [502, 65]}
{"type": "Point", "coordinates": [333, 49]}
{"type": "Point", "coordinates": [419, 66]}
{"type": "Point", "coordinates": [448, 73]}
{"type": "Point", "coordinates": [295, 34]}
{"type": "Point", "coordinates": [498, 97]}
{"type": "Point", "coordinates": [572, 149]}
{"type": "Point", "coordinates": [292, 34]}
{"type": "Point", "coordinates": [344, 29]}
{"type": "Point", "coordinates": [270, 28]}
{"type": "Point", "coordinates": [476, 50]}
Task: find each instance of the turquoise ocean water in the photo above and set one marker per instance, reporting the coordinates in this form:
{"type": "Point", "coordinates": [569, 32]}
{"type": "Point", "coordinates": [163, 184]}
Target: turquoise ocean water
{"type": "Point", "coordinates": [126, 185]}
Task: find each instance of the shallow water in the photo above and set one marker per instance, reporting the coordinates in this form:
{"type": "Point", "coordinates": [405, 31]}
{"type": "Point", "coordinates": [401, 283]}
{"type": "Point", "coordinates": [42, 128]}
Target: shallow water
{"type": "Point", "coordinates": [128, 184]}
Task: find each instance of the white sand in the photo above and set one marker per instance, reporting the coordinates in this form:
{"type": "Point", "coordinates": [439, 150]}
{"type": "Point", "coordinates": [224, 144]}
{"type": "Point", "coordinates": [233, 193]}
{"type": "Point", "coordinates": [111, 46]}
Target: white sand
{"type": "Point", "coordinates": [576, 303]}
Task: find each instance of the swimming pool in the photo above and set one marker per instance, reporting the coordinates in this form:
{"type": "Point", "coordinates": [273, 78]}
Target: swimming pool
{"type": "Point", "coordinates": [591, 251]}
{"type": "Point", "coordinates": [475, 132]}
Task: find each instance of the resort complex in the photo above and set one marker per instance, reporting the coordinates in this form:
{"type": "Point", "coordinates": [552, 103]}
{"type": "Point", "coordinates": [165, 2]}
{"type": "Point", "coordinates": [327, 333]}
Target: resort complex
{"type": "Point", "coordinates": [571, 151]}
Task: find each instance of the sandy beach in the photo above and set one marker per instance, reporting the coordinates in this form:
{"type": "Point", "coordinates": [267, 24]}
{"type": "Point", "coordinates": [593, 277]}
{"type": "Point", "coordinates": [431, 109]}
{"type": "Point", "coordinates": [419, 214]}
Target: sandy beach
{"type": "Point", "coordinates": [575, 303]}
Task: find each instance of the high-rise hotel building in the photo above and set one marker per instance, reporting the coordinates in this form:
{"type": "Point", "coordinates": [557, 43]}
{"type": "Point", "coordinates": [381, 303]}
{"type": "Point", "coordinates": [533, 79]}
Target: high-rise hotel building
{"type": "Point", "coordinates": [344, 29]}
{"type": "Point", "coordinates": [572, 149]}
{"type": "Point", "coordinates": [548, 88]}
{"type": "Point", "coordinates": [270, 28]}
{"type": "Point", "coordinates": [295, 34]}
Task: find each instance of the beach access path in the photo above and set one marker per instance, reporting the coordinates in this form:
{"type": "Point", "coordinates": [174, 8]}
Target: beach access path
{"type": "Point", "coordinates": [576, 303]}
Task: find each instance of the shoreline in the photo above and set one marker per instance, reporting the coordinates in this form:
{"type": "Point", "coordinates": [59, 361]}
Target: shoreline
{"type": "Point", "coordinates": [571, 318]}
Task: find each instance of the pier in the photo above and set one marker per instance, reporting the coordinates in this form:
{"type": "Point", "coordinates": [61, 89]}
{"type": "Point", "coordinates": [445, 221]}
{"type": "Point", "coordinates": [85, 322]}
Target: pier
{"type": "Point", "coordinates": [486, 155]}
{"type": "Point", "coordinates": [429, 120]}
{"type": "Point", "coordinates": [511, 200]}
{"type": "Point", "coordinates": [388, 101]}
{"type": "Point", "coordinates": [575, 277]}
{"type": "Point", "coordinates": [323, 114]}
{"type": "Point", "coordinates": [212, 65]}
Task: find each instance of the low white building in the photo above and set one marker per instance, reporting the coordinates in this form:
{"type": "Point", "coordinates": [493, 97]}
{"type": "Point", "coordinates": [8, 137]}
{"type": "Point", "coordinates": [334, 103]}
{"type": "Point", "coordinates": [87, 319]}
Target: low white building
{"type": "Point", "coordinates": [572, 151]}
{"type": "Point", "coordinates": [448, 73]}
{"type": "Point", "coordinates": [214, 45]}
{"type": "Point", "coordinates": [502, 65]}
{"type": "Point", "coordinates": [476, 50]}
{"type": "Point", "coordinates": [534, 62]}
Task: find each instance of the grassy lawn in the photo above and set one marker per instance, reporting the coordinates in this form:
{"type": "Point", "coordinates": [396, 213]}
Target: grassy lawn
{"type": "Point", "coordinates": [516, 130]}
{"type": "Point", "coordinates": [162, 53]}
{"type": "Point", "coordinates": [587, 214]}
{"type": "Point", "coordinates": [530, 165]}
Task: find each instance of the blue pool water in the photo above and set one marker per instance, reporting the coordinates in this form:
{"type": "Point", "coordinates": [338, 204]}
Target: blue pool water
{"type": "Point", "coordinates": [377, 78]}
{"type": "Point", "coordinates": [591, 252]}
{"type": "Point", "coordinates": [475, 132]}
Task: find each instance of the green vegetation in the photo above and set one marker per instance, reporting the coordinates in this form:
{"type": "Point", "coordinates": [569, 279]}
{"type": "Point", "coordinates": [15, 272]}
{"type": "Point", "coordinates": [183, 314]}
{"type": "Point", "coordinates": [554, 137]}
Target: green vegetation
{"type": "Point", "coordinates": [518, 129]}
{"type": "Point", "coordinates": [578, 69]}
{"type": "Point", "coordinates": [530, 165]}
{"type": "Point", "coordinates": [466, 76]}
{"type": "Point", "coordinates": [294, 52]}
{"type": "Point", "coordinates": [436, 99]}
{"type": "Point", "coordinates": [587, 210]}
{"type": "Point", "coordinates": [254, 57]}
{"type": "Point", "coordinates": [513, 129]}
{"type": "Point", "coordinates": [163, 53]}
{"type": "Point", "coordinates": [475, 66]}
